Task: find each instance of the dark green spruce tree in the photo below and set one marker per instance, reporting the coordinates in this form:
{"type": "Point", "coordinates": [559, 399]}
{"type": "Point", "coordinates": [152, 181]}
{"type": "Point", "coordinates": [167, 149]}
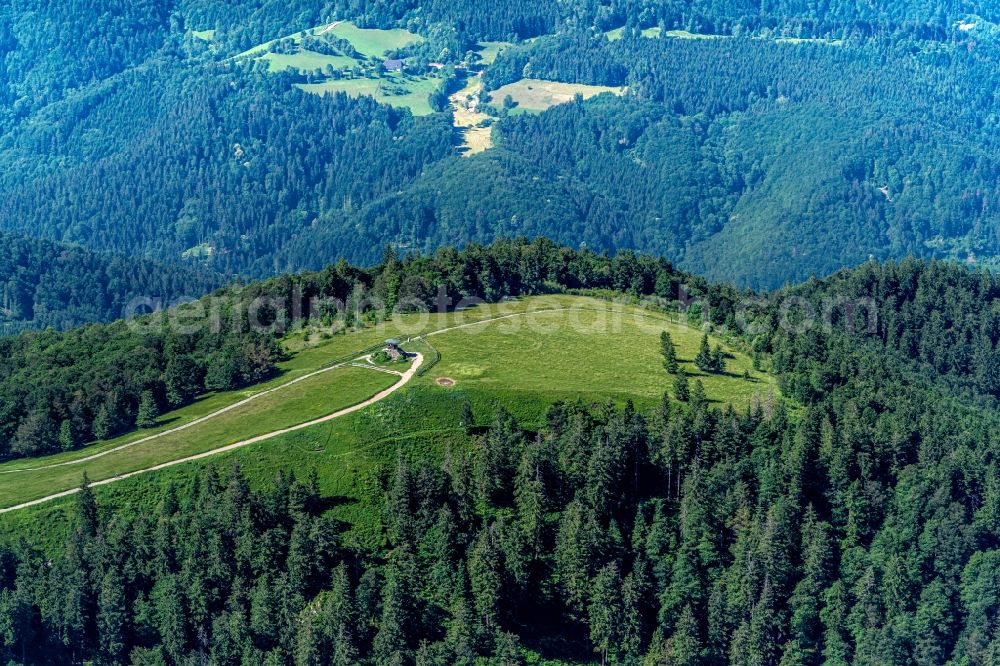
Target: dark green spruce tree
{"type": "Point", "coordinates": [669, 351]}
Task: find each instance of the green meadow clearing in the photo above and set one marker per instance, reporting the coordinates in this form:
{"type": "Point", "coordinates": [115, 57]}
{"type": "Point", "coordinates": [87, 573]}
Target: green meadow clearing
{"type": "Point", "coordinates": [535, 95]}
{"type": "Point", "coordinates": [523, 355]}
{"type": "Point", "coordinates": [306, 61]}
{"type": "Point", "coordinates": [488, 51]}
{"type": "Point", "coordinates": [799, 40]}
{"type": "Point", "coordinates": [369, 42]}
{"type": "Point", "coordinates": [395, 90]}
{"type": "Point", "coordinates": [655, 33]}
{"type": "Point", "coordinates": [299, 403]}
{"type": "Point", "coordinates": [373, 45]}
{"type": "Point", "coordinates": [687, 34]}
{"type": "Point", "coordinates": [304, 358]}
{"type": "Point", "coordinates": [618, 33]}
{"type": "Point", "coordinates": [587, 355]}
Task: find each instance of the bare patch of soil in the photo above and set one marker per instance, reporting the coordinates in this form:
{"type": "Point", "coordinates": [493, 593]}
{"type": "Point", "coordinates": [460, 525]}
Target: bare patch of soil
{"type": "Point", "coordinates": [468, 117]}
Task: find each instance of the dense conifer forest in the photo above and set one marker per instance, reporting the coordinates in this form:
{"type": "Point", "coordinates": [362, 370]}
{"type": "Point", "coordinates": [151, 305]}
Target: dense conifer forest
{"type": "Point", "coordinates": [830, 129]}
{"type": "Point", "coordinates": [147, 150]}
{"type": "Point", "coordinates": [51, 285]}
{"type": "Point", "coordinates": [855, 524]}
{"type": "Point", "coordinates": [739, 159]}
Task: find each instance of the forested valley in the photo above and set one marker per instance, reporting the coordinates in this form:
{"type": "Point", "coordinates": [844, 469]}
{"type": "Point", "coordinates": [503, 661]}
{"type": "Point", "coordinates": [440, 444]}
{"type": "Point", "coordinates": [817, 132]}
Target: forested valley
{"type": "Point", "coordinates": [739, 159]}
{"type": "Point", "coordinates": [776, 145]}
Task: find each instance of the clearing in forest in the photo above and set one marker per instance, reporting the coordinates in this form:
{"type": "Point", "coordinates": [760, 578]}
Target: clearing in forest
{"type": "Point", "coordinates": [399, 90]}
{"type": "Point", "coordinates": [803, 40]}
{"type": "Point", "coordinates": [488, 51]}
{"type": "Point", "coordinates": [655, 33]}
{"type": "Point", "coordinates": [306, 61]}
{"type": "Point", "coordinates": [357, 72]}
{"type": "Point", "coordinates": [369, 42]}
{"type": "Point", "coordinates": [618, 33]}
{"type": "Point", "coordinates": [535, 95]}
{"type": "Point", "coordinates": [686, 34]}
{"type": "Point", "coordinates": [473, 125]}
{"type": "Point", "coordinates": [373, 42]}
{"type": "Point", "coordinates": [524, 355]}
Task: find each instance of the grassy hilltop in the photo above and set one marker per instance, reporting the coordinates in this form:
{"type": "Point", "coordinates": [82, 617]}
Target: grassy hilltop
{"type": "Point", "coordinates": [525, 355]}
{"type": "Point", "coordinates": [446, 504]}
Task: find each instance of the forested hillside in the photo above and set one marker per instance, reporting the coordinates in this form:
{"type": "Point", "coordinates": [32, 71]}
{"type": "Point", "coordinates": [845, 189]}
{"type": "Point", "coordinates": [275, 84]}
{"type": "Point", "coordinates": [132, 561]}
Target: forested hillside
{"type": "Point", "coordinates": [847, 514]}
{"type": "Point", "coordinates": [51, 285]}
{"type": "Point", "coordinates": [220, 172]}
{"type": "Point", "coordinates": [741, 159]}
{"type": "Point", "coordinates": [60, 391]}
{"type": "Point", "coordinates": [754, 144]}
{"type": "Point", "coordinates": [505, 19]}
{"type": "Point", "coordinates": [855, 525]}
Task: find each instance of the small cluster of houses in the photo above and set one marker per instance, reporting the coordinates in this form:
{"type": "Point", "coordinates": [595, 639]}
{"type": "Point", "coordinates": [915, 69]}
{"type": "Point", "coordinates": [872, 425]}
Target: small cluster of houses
{"type": "Point", "coordinates": [396, 65]}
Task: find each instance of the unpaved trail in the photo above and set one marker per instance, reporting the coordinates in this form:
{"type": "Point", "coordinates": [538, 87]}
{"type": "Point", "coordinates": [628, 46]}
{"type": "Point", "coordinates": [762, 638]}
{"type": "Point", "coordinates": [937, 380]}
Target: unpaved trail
{"type": "Point", "coordinates": [241, 403]}
{"type": "Point", "coordinates": [405, 378]}
{"type": "Point", "coordinates": [171, 431]}
{"type": "Point", "coordinates": [403, 381]}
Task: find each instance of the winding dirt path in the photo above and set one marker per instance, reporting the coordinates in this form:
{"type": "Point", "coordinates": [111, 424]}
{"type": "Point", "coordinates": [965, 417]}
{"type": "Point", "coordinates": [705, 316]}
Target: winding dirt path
{"type": "Point", "coordinates": [256, 396]}
{"type": "Point", "coordinates": [189, 424]}
{"type": "Point", "coordinates": [405, 378]}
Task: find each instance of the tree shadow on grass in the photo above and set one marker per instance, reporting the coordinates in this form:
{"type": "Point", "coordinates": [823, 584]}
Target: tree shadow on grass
{"type": "Point", "coordinates": [328, 504]}
{"type": "Point", "coordinates": [702, 374]}
{"type": "Point", "coordinates": [740, 376]}
{"type": "Point", "coordinates": [331, 503]}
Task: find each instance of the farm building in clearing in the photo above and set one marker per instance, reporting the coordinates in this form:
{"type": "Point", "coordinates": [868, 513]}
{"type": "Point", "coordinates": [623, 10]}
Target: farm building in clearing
{"type": "Point", "coordinates": [393, 349]}
{"type": "Point", "coordinates": [394, 65]}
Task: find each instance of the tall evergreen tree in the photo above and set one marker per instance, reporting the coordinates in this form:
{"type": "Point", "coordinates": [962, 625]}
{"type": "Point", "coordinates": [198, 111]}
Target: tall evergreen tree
{"type": "Point", "coordinates": [112, 616]}
{"type": "Point", "coordinates": [486, 575]}
{"type": "Point", "coordinates": [669, 352]}
{"type": "Point", "coordinates": [102, 423]}
{"type": "Point", "coordinates": [66, 441]}
{"type": "Point", "coordinates": [703, 360]}
{"type": "Point", "coordinates": [682, 390]}
{"type": "Point", "coordinates": [604, 612]}
{"type": "Point", "coordinates": [86, 509]}
{"type": "Point", "coordinates": [148, 411]}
